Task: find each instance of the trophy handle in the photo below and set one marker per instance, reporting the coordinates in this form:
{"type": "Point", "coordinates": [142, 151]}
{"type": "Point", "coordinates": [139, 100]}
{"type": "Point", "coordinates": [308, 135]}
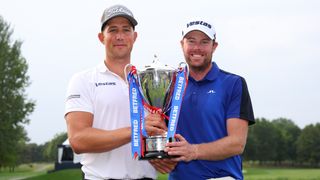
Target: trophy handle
{"type": "Point", "coordinates": [185, 65]}
{"type": "Point", "coordinates": [138, 79]}
{"type": "Point", "coordinates": [167, 106]}
{"type": "Point", "coordinates": [125, 72]}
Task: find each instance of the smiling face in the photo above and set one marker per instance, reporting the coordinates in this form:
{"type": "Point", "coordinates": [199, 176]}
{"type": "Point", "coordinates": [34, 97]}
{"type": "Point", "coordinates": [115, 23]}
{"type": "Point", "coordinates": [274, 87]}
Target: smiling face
{"type": "Point", "coordinates": [198, 49]}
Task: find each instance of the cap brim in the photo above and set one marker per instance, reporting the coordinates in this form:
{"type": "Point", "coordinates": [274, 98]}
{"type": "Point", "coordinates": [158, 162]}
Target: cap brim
{"type": "Point", "coordinates": [197, 28]}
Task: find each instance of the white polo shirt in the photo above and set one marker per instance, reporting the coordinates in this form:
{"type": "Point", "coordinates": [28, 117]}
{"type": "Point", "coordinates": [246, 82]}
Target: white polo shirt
{"type": "Point", "coordinates": [106, 96]}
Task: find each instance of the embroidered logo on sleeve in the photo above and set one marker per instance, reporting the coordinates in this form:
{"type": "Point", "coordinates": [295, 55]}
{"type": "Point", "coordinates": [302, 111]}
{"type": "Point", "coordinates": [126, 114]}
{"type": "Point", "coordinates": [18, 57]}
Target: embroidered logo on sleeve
{"type": "Point", "coordinates": [73, 96]}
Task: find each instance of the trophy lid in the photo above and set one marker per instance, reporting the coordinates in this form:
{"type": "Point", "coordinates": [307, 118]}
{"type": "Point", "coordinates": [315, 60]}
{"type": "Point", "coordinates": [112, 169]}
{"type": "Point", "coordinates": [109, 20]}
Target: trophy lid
{"type": "Point", "coordinates": [156, 64]}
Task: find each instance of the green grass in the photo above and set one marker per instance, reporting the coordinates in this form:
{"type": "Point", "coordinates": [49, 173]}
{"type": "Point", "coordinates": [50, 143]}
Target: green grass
{"type": "Point", "coordinates": [26, 170]}
{"type": "Point", "coordinates": [162, 177]}
{"type": "Point", "coordinates": [69, 174]}
{"type": "Point", "coordinates": [72, 174]}
{"type": "Point", "coordinates": [39, 173]}
{"type": "Point", "coordinates": [275, 174]}
{"type": "Point", "coordinates": [281, 174]}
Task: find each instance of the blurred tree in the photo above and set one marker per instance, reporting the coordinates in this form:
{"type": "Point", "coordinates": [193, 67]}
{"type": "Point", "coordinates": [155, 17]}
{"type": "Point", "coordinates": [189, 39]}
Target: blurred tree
{"type": "Point", "coordinates": [15, 107]}
{"type": "Point", "coordinates": [31, 153]}
{"type": "Point", "coordinates": [50, 152]}
{"type": "Point", "coordinates": [250, 150]}
{"type": "Point", "coordinates": [289, 135]}
{"type": "Point", "coordinates": [264, 138]}
{"type": "Point", "coordinates": [308, 145]}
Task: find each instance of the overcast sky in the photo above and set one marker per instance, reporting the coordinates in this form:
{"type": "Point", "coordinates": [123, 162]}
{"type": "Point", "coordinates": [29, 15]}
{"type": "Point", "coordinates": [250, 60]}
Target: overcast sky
{"type": "Point", "coordinates": [273, 44]}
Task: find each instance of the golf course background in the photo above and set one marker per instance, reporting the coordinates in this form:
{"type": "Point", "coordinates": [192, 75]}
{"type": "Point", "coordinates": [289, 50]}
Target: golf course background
{"type": "Point", "coordinates": [41, 172]}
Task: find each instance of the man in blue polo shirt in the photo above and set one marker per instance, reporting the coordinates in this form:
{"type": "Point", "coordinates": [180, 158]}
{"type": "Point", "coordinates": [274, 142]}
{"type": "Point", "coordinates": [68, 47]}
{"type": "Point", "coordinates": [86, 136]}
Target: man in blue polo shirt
{"type": "Point", "coordinates": [215, 114]}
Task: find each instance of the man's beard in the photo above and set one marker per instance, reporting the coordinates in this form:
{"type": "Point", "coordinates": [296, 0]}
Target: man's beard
{"type": "Point", "coordinates": [200, 68]}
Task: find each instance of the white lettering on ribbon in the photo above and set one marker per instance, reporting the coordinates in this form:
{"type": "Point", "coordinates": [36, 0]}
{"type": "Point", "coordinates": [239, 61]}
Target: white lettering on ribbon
{"type": "Point", "coordinates": [179, 88]}
{"type": "Point", "coordinates": [173, 117]}
{"type": "Point", "coordinates": [135, 133]}
{"type": "Point", "coordinates": [134, 101]}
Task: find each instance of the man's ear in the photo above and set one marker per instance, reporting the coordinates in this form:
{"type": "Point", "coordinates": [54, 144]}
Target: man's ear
{"type": "Point", "coordinates": [181, 43]}
{"type": "Point", "coordinates": [215, 45]}
{"type": "Point", "coordinates": [101, 37]}
{"type": "Point", "coordinates": [135, 36]}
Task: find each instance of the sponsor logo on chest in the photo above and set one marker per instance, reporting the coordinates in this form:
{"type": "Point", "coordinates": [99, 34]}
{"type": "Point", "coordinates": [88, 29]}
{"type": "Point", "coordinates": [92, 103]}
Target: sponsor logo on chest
{"type": "Point", "coordinates": [105, 84]}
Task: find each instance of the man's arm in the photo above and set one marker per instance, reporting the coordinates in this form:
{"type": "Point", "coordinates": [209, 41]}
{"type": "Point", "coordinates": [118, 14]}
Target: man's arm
{"type": "Point", "coordinates": [84, 138]}
{"type": "Point", "coordinates": [231, 145]}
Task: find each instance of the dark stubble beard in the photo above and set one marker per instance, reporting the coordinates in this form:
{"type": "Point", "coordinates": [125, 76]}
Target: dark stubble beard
{"type": "Point", "coordinates": [202, 68]}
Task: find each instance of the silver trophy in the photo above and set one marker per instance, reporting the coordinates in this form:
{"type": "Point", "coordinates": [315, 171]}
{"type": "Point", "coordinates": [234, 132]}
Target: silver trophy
{"type": "Point", "coordinates": [157, 84]}
{"type": "Point", "coordinates": [151, 89]}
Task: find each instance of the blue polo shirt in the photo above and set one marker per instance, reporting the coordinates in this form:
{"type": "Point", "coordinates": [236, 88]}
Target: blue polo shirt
{"type": "Point", "coordinates": [206, 106]}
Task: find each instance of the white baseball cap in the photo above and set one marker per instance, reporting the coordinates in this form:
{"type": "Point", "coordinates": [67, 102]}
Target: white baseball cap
{"type": "Point", "coordinates": [200, 25]}
{"type": "Point", "coordinates": [116, 11]}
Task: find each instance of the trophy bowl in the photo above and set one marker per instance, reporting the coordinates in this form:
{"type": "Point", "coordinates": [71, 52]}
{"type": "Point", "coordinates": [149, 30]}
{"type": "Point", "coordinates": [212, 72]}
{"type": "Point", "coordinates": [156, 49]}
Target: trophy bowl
{"type": "Point", "coordinates": [157, 86]}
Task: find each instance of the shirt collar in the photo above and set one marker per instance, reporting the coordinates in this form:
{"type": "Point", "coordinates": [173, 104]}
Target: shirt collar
{"type": "Point", "coordinates": [102, 68]}
{"type": "Point", "coordinates": [212, 74]}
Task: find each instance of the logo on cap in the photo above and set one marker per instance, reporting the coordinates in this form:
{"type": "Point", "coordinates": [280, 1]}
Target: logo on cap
{"type": "Point", "coordinates": [202, 26]}
{"type": "Point", "coordinates": [199, 23]}
{"type": "Point", "coordinates": [117, 10]}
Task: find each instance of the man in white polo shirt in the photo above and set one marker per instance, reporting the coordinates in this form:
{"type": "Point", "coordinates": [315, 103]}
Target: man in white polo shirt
{"type": "Point", "coordinates": [97, 106]}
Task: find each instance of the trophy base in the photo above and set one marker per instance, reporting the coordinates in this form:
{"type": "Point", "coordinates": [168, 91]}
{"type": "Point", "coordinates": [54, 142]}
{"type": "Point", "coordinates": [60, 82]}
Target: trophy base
{"type": "Point", "coordinates": [156, 155]}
